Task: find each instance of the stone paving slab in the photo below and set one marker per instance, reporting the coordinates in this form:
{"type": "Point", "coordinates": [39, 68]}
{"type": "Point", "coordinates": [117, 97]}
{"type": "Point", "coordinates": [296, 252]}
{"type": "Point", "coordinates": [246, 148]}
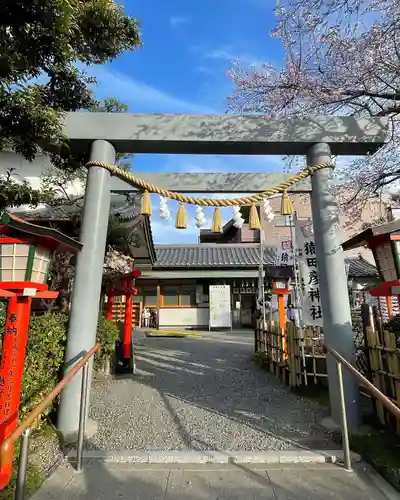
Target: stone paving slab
{"type": "Point", "coordinates": [124, 481]}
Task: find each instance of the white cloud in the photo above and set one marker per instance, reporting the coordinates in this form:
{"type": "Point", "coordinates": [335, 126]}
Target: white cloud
{"type": "Point", "coordinates": [140, 96]}
{"type": "Point", "coordinates": [176, 21]}
{"type": "Point", "coordinates": [165, 232]}
{"type": "Point", "coordinates": [228, 53]}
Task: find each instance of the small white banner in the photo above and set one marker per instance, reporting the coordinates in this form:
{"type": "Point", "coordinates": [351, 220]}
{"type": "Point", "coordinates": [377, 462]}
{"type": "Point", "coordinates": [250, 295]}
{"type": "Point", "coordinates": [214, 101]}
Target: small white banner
{"type": "Point", "coordinates": [284, 255]}
{"type": "Point", "coordinates": [309, 278]}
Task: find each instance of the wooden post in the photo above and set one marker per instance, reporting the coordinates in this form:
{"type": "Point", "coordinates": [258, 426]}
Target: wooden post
{"type": "Point", "coordinates": [389, 307]}
{"type": "Point", "coordinates": [109, 306]}
{"type": "Point", "coordinates": [375, 365]}
{"type": "Point", "coordinates": [127, 342]}
{"type": "Point", "coordinates": [13, 351]}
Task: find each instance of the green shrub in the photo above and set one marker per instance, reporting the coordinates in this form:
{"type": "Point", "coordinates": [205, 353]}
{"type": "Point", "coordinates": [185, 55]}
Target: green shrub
{"type": "Point", "coordinates": [34, 478]}
{"type": "Point", "coordinates": [43, 363]}
{"type": "Point", "coordinates": [44, 357]}
{"type": "Point", "coordinates": [45, 354]}
{"type": "Point", "coordinates": [107, 335]}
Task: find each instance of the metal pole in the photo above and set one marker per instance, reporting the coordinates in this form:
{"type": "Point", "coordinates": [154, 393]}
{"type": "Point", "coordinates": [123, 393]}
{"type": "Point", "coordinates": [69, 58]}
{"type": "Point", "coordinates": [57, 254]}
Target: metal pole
{"type": "Point", "coordinates": [292, 220]}
{"type": "Point", "coordinates": [22, 466]}
{"type": "Point", "coordinates": [262, 276]}
{"type": "Point", "coordinates": [345, 432]}
{"type": "Point", "coordinates": [82, 418]}
{"type": "Point", "coordinates": [337, 325]}
{"type": "Point", "coordinates": [296, 268]}
{"type": "Point", "coordinates": [87, 287]}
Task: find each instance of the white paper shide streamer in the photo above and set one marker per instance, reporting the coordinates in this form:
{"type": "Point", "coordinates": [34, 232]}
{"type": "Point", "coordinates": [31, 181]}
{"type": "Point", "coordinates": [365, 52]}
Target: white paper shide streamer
{"type": "Point", "coordinates": [267, 209]}
{"type": "Point", "coordinates": [164, 210]}
{"type": "Point", "coordinates": [238, 220]}
{"type": "Point", "coordinates": [200, 217]}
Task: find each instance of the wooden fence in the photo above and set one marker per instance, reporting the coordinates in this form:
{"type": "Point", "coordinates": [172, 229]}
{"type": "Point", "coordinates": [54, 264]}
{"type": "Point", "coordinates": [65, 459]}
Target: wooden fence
{"type": "Point", "coordinates": [298, 357]}
{"type": "Point", "coordinates": [384, 367]}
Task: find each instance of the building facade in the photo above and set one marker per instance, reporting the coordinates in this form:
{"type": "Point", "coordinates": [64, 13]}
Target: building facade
{"type": "Point", "coordinates": [177, 285]}
{"type": "Point", "coordinates": [176, 278]}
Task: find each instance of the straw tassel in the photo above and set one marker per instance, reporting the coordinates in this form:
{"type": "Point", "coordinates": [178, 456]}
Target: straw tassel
{"type": "Point", "coordinates": [217, 221]}
{"type": "Point", "coordinates": [146, 204]}
{"type": "Point", "coordinates": [286, 204]}
{"type": "Point", "coordinates": [181, 217]}
{"type": "Point", "coordinates": [254, 220]}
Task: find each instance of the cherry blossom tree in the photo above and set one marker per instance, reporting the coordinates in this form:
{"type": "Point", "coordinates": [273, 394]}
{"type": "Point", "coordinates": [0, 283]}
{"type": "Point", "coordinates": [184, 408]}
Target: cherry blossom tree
{"type": "Point", "coordinates": [341, 57]}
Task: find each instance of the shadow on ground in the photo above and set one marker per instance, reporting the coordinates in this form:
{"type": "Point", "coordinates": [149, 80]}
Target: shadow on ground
{"type": "Point", "coordinates": [202, 394]}
{"type": "Point", "coordinates": [125, 481]}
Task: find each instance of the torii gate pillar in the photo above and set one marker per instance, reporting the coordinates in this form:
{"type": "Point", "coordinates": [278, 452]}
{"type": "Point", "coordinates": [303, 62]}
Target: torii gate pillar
{"type": "Point", "coordinates": [108, 133]}
{"type": "Point", "coordinates": [338, 331]}
{"type": "Point", "coordinates": [84, 315]}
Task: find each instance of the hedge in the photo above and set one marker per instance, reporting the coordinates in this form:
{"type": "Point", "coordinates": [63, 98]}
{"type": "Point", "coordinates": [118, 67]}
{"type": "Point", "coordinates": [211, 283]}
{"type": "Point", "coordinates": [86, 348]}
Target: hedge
{"type": "Point", "coordinates": [43, 364]}
{"type": "Point", "coordinates": [45, 354]}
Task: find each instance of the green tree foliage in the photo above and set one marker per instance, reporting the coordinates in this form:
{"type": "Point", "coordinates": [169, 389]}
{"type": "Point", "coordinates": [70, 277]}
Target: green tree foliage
{"type": "Point", "coordinates": [45, 354]}
{"type": "Point", "coordinates": [53, 191]}
{"type": "Point", "coordinates": [41, 44]}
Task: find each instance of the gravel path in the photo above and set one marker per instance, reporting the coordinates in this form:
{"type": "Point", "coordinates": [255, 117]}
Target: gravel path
{"type": "Point", "coordinates": [201, 394]}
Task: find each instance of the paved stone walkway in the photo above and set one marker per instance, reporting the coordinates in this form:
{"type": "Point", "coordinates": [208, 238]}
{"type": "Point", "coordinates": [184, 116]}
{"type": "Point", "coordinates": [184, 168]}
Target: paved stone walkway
{"type": "Point", "coordinates": [108, 481]}
{"type": "Point", "coordinates": [201, 394]}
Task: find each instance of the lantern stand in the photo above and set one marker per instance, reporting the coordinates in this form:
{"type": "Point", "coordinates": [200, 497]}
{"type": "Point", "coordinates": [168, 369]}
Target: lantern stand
{"type": "Point", "coordinates": [126, 360]}
{"type": "Point", "coordinates": [281, 288]}
{"type": "Point", "coordinates": [384, 242]}
{"type": "Point", "coordinates": [25, 258]}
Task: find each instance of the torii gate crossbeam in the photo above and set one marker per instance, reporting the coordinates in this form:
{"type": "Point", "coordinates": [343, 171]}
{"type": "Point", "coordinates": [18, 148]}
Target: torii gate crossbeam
{"type": "Point", "coordinates": [317, 138]}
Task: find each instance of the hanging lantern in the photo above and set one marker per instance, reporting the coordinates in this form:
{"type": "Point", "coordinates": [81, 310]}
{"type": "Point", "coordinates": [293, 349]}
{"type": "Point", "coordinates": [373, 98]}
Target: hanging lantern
{"type": "Point", "coordinates": [237, 218]}
{"type": "Point", "coordinates": [200, 217]}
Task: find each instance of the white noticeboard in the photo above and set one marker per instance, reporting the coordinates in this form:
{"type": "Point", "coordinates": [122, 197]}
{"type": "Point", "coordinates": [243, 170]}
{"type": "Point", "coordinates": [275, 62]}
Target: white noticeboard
{"type": "Point", "coordinates": [220, 307]}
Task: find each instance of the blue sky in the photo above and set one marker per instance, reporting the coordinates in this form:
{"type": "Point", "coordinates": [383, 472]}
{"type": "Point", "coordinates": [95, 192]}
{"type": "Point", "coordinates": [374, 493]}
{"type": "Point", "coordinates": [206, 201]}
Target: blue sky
{"type": "Point", "coordinates": [187, 48]}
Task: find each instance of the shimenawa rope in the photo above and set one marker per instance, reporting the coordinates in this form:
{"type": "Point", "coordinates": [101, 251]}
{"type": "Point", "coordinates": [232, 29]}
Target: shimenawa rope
{"type": "Point", "coordinates": [130, 178]}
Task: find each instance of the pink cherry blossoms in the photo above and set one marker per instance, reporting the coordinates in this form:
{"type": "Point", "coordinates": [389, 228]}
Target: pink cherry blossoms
{"type": "Point", "coordinates": [341, 57]}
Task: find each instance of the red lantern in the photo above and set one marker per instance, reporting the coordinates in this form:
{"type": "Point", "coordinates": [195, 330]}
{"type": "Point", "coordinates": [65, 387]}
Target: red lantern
{"type": "Point", "coordinates": [25, 258]}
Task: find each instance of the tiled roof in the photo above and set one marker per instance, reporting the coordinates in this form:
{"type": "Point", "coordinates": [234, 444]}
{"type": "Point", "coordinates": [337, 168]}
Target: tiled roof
{"type": "Point", "coordinates": [233, 255]}
{"type": "Point", "coordinates": [120, 206]}
{"type": "Point", "coordinates": [359, 267]}
{"type": "Point", "coordinates": [212, 255]}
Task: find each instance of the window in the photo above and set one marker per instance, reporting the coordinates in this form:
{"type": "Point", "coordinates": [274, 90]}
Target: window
{"type": "Point", "coordinates": [170, 296]}
{"type": "Point", "coordinates": [188, 296]}
{"type": "Point", "coordinates": [282, 221]}
{"type": "Point", "coordinates": [150, 296]}
{"type": "Point", "coordinates": [178, 296]}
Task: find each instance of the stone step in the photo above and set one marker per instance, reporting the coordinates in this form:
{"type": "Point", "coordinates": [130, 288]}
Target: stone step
{"type": "Point", "coordinates": [217, 457]}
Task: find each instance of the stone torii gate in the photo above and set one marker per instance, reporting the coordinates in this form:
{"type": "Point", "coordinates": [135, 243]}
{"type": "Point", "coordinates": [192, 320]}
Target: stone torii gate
{"type": "Point", "coordinates": [106, 134]}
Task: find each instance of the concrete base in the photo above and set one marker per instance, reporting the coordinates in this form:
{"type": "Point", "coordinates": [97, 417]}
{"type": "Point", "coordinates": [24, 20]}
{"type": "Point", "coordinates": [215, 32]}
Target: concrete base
{"type": "Point", "coordinates": [90, 430]}
{"type": "Point", "coordinates": [331, 426]}
{"type": "Point", "coordinates": [218, 457]}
